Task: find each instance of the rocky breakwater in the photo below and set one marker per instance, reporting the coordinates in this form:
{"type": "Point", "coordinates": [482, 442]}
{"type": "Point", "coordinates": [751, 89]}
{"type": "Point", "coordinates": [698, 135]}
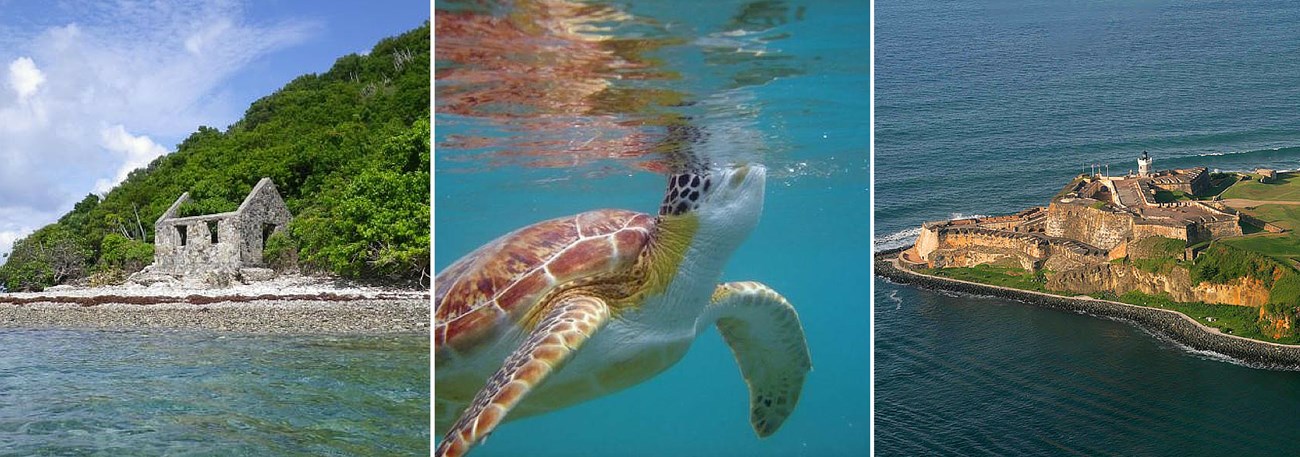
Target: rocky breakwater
{"type": "Point", "coordinates": [1169, 324]}
{"type": "Point", "coordinates": [285, 305]}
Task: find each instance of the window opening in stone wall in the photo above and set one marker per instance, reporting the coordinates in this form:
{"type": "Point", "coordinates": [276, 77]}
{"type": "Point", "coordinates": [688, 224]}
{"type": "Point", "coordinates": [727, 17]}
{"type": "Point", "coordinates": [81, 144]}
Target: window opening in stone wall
{"type": "Point", "coordinates": [267, 230]}
{"type": "Point", "coordinates": [212, 229]}
{"type": "Point", "coordinates": [180, 230]}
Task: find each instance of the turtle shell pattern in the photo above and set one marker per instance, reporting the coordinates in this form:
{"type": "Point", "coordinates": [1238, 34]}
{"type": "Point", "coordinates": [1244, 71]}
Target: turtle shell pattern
{"type": "Point", "coordinates": [497, 283]}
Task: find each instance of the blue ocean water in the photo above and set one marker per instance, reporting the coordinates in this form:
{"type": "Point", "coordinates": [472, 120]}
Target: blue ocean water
{"type": "Point", "coordinates": [195, 393]}
{"type": "Point", "coordinates": [988, 107]}
{"type": "Point", "coordinates": [782, 83]}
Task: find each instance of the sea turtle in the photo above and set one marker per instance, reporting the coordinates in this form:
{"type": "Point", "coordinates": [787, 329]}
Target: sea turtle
{"type": "Point", "coordinates": [574, 308]}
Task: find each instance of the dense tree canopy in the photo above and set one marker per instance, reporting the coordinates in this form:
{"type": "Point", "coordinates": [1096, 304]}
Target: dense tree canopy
{"type": "Point", "coordinates": [347, 149]}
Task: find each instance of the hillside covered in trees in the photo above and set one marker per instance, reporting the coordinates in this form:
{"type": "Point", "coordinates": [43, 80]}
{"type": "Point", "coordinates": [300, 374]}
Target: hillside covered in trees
{"type": "Point", "coordinates": [348, 150]}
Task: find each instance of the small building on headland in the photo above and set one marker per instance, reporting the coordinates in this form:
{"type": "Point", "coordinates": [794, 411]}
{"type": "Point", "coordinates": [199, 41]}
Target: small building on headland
{"type": "Point", "coordinates": [233, 240]}
{"type": "Point", "coordinates": [1092, 221]}
{"type": "Point", "coordinates": [1266, 175]}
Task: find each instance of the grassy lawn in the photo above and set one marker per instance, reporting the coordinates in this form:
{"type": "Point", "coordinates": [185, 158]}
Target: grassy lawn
{"type": "Point", "coordinates": [1168, 196]}
{"type": "Point", "coordinates": [1286, 188]}
{"type": "Point", "coordinates": [1016, 278]}
{"type": "Point", "coordinates": [1282, 246]}
{"type": "Point", "coordinates": [1285, 216]}
{"type": "Point", "coordinates": [1217, 186]}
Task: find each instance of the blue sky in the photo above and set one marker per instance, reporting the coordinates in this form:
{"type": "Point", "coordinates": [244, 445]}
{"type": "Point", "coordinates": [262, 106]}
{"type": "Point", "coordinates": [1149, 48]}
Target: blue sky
{"type": "Point", "coordinates": [90, 90]}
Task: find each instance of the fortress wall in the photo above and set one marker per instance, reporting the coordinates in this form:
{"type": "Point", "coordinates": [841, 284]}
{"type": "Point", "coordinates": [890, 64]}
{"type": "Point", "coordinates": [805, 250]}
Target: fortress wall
{"type": "Point", "coordinates": [1205, 231]}
{"type": "Point", "coordinates": [1008, 225]}
{"type": "Point", "coordinates": [926, 242]}
{"type": "Point", "coordinates": [964, 248]}
{"type": "Point", "coordinates": [981, 255]}
{"type": "Point", "coordinates": [1141, 231]}
{"type": "Point", "coordinates": [1268, 226]}
{"type": "Point", "coordinates": [1099, 228]}
{"type": "Point", "coordinates": [1026, 244]}
{"type": "Point", "coordinates": [1065, 259]}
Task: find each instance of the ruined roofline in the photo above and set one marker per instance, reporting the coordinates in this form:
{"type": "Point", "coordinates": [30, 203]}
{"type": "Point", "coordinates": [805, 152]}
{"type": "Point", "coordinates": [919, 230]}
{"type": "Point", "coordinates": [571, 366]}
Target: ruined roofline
{"type": "Point", "coordinates": [202, 218]}
{"type": "Point", "coordinates": [171, 210]}
{"type": "Point", "coordinates": [261, 185]}
{"type": "Point", "coordinates": [169, 216]}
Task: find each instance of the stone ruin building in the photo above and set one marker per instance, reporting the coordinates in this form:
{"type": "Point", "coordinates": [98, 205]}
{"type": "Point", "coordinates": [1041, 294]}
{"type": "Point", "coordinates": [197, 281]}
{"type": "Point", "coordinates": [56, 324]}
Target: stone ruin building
{"type": "Point", "coordinates": [230, 241]}
{"type": "Point", "coordinates": [1091, 221]}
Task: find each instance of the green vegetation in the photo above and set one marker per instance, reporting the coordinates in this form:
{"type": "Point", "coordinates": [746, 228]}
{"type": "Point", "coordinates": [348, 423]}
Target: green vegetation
{"type": "Point", "coordinates": [1220, 182]}
{"type": "Point", "coordinates": [348, 150]}
{"type": "Point", "coordinates": [1156, 254]}
{"type": "Point", "coordinates": [1222, 262]}
{"type": "Point", "coordinates": [1168, 196]}
{"type": "Point", "coordinates": [1286, 188]}
{"type": "Point", "coordinates": [1285, 216]}
{"type": "Point", "coordinates": [1281, 246]}
{"type": "Point", "coordinates": [1017, 278]}
{"type": "Point", "coordinates": [1237, 320]}
{"type": "Point", "coordinates": [1098, 205]}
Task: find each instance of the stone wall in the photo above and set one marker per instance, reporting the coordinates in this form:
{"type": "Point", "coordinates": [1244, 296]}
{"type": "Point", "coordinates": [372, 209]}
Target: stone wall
{"type": "Point", "coordinates": [966, 247]}
{"type": "Point", "coordinates": [186, 245]}
{"type": "Point", "coordinates": [1205, 231]}
{"type": "Point", "coordinates": [969, 246]}
{"type": "Point", "coordinates": [1100, 228]}
{"type": "Point", "coordinates": [1178, 232]}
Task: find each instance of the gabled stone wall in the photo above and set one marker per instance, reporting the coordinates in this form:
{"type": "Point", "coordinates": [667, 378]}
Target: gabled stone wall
{"type": "Point", "coordinates": [185, 245]}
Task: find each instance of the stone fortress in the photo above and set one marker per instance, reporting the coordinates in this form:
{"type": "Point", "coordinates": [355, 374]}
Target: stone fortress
{"type": "Point", "coordinates": [221, 244]}
{"type": "Point", "coordinates": [1092, 221]}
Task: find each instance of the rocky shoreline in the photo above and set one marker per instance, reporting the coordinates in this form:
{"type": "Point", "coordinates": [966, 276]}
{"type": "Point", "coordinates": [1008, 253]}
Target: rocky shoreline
{"type": "Point", "coordinates": [287, 306]}
{"type": "Point", "coordinates": [1169, 324]}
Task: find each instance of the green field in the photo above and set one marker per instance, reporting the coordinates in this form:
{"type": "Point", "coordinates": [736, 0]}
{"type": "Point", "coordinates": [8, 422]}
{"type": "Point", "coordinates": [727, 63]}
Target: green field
{"type": "Point", "coordinates": [1015, 278]}
{"type": "Point", "coordinates": [1168, 196]}
{"type": "Point", "coordinates": [1281, 246]}
{"type": "Point", "coordinates": [1285, 216]}
{"type": "Point", "coordinates": [1286, 188]}
{"type": "Point", "coordinates": [1218, 185]}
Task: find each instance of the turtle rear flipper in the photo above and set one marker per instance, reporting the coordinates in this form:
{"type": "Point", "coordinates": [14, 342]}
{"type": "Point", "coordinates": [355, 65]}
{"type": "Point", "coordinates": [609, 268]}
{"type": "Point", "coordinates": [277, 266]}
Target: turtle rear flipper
{"type": "Point", "coordinates": [563, 329]}
{"type": "Point", "coordinates": [765, 335]}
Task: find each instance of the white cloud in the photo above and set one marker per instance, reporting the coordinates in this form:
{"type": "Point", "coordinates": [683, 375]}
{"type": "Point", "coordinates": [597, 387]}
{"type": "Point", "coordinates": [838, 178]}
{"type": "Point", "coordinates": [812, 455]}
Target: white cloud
{"type": "Point", "coordinates": [137, 151]}
{"type": "Point", "coordinates": [24, 77]}
{"type": "Point", "coordinates": [94, 93]}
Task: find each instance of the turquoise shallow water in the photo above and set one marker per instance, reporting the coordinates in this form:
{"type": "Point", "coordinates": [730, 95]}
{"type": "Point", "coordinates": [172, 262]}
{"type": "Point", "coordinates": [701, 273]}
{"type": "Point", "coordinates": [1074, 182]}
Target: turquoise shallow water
{"type": "Point", "coordinates": [785, 84]}
{"type": "Point", "coordinates": [990, 107]}
{"type": "Point", "coordinates": [185, 393]}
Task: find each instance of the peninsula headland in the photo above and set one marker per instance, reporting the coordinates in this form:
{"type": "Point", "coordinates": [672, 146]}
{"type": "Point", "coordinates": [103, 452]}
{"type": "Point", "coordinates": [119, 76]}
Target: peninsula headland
{"type": "Point", "coordinates": [1219, 248]}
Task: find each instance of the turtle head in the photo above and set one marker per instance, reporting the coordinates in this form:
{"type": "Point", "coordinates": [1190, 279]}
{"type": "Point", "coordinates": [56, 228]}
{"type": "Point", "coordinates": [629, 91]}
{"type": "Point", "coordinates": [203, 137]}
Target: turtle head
{"type": "Point", "coordinates": [725, 201]}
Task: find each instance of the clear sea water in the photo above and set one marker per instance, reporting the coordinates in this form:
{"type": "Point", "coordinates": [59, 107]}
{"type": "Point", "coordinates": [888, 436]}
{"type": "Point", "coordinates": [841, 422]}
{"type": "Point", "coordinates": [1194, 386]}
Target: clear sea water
{"type": "Point", "coordinates": [785, 84]}
{"type": "Point", "coordinates": [988, 107]}
{"type": "Point", "coordinates": [205, 394]}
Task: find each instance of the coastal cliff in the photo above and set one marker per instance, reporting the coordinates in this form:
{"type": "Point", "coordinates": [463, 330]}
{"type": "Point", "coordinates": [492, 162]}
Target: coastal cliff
{"type": "Point", "coordinates": [1119, 279]}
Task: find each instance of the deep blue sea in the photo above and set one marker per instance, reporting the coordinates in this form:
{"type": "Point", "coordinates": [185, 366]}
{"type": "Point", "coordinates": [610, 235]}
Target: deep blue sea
{"type": "Point", "coordinates": [988, 107]}
{"type": "Point", "coordinates": [152, 393]}
{"type": "Point", "coordinates": [547, 110]}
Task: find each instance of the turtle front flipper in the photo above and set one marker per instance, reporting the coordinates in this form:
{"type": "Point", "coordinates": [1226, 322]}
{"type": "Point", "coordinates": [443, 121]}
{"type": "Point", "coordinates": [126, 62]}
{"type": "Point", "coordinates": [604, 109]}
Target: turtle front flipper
{"type": "Point", "coordinates": [562, 330]}
{"type": "Point", "coordinates": [767, 339]}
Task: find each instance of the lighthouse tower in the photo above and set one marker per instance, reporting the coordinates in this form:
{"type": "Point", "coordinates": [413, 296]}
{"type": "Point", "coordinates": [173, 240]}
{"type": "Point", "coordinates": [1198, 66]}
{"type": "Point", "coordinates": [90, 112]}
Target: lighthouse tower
{"type": "Point", "coordinates": [1144, 165]}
